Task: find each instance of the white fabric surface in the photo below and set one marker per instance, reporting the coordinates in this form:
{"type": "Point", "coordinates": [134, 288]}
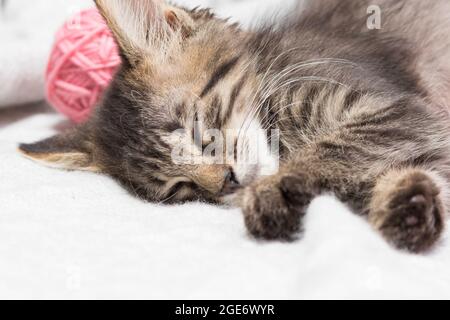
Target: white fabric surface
{"type": "Point", "coordinates": [79, 235]}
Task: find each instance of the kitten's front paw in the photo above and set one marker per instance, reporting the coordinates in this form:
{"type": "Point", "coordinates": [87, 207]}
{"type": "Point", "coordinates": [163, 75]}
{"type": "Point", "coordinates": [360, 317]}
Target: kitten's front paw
{"type": "Point", "coordinates": [414, 218]}
{"type": "Point", "coordinates": [274, 207]}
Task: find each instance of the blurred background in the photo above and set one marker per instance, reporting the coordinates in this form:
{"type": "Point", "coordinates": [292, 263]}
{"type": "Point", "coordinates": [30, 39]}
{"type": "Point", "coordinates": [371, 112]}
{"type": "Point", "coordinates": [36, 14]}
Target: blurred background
{"type": "Point", "coordinates": [27, 30]}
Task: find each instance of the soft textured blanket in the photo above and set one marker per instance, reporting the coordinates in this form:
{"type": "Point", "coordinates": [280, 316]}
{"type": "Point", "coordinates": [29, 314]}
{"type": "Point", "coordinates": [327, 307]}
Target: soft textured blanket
{"type": "Point", "coordinates": [79, 235]}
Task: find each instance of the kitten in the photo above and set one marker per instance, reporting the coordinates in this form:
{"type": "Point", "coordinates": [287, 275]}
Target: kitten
{"type": "Point", "coordinates": [360, 113]}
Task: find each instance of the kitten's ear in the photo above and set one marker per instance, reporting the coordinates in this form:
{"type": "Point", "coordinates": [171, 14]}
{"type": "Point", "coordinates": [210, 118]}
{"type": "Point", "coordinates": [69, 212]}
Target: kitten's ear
{"type": "Point", "coordinates": [71, 151]}
{"type": "Point", "coordinates": [142, 25]}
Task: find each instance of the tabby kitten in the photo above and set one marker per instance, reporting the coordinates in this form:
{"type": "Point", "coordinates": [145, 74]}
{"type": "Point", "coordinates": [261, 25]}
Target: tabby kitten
{"type": "Point", "coordinates": [359, 113]}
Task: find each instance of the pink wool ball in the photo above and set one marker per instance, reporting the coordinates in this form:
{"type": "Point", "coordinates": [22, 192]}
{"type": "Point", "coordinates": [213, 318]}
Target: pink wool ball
{"type": "Point", "coordinates": [82, 64]}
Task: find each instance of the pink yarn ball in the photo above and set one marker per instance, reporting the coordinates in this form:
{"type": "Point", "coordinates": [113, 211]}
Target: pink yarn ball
{"type": "Point", "coordinates": [82, 64]}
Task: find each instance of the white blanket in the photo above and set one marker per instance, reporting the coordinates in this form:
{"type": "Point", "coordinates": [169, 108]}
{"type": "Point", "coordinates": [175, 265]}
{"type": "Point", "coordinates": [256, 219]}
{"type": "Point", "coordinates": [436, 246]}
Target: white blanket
{"type": "Point", "coordinates": [79, 235]}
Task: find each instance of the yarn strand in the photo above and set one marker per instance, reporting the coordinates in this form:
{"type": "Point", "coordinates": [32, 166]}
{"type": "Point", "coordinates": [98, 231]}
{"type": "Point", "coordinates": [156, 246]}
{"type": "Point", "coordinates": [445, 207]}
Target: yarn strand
{"type": "Point", "coordinates": [81, 66]}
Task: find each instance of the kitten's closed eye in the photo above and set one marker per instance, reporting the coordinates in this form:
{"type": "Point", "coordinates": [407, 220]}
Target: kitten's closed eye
{"type": "Point", "coordinates": [178, 191]}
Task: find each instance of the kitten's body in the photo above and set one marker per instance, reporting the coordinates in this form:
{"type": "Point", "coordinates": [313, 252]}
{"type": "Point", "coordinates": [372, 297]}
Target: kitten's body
{"type": "Point", "coordinates": [362, 113]}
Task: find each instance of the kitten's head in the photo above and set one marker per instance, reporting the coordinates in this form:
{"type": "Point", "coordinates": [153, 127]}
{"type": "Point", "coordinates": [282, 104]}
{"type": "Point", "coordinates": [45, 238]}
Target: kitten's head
{"type": "Point", "coordinates": [183, 72]}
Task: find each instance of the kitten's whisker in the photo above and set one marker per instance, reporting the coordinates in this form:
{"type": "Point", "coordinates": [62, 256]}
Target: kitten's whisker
{"type": "Point", "coordinates": [285, 84]}
{"type": "Point", "coordinates": [277, 113]}
{"type": "Point", "coordinates": [169, 198]}
{"type": "Point", "coordinates": [261, 88]}
{"type": "Point", "coordinates": [254, 111]}
{"type": "Point", "coordinates": [299, 66]}
{"type": "Point", "coordinates": [290, 69]}
{"type": "Point", "coordinates": [261, 84]}
{"type": "Point", "coordinates": [295, 102]}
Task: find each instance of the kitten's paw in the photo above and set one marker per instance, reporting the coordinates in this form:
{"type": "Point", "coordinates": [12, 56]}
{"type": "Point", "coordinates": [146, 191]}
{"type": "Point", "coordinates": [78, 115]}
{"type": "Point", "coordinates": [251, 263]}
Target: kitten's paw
{"type": "Point", "coordinates": [414, 217]}
{"type": "Point", "coordinates": [274, 207]}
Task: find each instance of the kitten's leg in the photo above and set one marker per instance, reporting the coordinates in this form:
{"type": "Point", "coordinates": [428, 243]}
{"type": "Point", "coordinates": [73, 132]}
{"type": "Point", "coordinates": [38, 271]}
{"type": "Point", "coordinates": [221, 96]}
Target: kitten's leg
{"type": "Point", "coordinates": [273, 207]}
{"type": "Point", "coordinates": [407, 208]}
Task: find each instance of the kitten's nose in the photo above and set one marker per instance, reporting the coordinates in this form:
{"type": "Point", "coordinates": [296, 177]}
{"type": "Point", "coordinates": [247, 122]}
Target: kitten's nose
{"type": "Point", "coordinates": [217, 179]}
{"type": "Point", "coordinates": [231, 184]}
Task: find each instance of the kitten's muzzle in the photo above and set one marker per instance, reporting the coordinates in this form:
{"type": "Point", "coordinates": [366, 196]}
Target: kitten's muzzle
{"type": "Point", "coordinates": [217, 179]}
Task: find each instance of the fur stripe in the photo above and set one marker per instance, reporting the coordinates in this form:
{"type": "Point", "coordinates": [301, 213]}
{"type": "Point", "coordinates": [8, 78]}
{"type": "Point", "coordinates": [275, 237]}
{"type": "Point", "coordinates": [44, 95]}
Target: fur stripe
{"type": "Point", "coordinates": [233, 97]}
{"type": "Point", "coordinates": [219, 74]}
